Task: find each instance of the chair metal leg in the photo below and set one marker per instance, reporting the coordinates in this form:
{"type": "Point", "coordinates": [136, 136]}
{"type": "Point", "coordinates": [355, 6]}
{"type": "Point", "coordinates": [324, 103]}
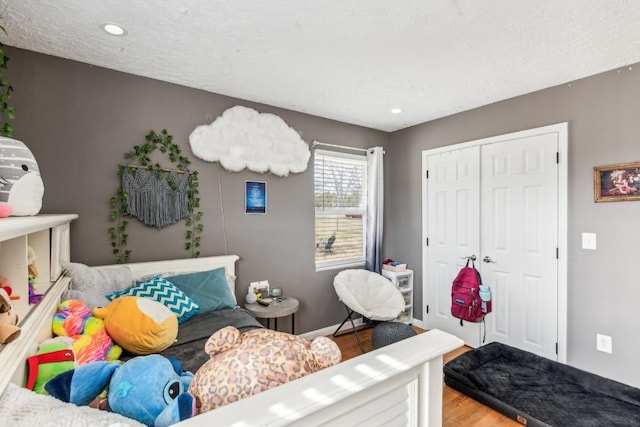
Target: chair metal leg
{"type": "Point", "coordinates": [355, 331]}
{"type": "Point", "coordinates": [335, 334]}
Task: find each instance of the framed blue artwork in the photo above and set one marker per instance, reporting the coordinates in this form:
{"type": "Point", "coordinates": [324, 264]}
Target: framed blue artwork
{"type": "Point", "coordinates": [255, 197]}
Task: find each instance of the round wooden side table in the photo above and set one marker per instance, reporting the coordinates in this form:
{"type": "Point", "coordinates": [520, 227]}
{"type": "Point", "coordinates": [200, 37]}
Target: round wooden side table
{"type": "Point", "coordinates": [277, 308]}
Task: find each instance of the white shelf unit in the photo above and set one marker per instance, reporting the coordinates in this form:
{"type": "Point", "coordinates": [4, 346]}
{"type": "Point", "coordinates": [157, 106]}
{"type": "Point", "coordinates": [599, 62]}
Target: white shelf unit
{"type": "Point", "coordinates": [404, 282]}
{"type": "Point", "coordinates": [48, 235]}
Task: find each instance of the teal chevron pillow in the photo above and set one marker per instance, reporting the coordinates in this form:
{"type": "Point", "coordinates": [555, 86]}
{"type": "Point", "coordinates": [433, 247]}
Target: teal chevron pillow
{"type": "Point", "coordinates": [166, 293]}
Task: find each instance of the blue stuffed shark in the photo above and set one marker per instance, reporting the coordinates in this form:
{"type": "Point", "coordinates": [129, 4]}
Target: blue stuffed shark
{"type": "Point", "coordinates": [151, 389]}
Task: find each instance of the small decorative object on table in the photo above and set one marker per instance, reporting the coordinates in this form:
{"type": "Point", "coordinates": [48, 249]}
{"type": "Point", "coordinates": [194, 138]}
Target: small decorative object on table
{"type": "Point", "coordinates": [251, 297]}
{"type": "Point", "coordinates": [261, 288]}
{"type": "Point", "coordinates": [276, 294]}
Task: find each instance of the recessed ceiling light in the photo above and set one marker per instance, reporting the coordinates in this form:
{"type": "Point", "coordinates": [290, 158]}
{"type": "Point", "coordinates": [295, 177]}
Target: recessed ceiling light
{"type": "Point", "coordinates": [114, 30]}
{"type": "Point", "coordinates": [396, 110]}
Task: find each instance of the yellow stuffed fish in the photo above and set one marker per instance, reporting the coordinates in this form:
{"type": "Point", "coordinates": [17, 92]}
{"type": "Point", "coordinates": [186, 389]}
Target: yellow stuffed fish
{"type": "Point", "coordinates": [139, 325]}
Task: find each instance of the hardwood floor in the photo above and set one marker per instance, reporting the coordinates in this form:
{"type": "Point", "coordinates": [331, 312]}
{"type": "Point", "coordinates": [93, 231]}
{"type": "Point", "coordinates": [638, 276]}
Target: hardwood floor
{"type": "Point", "coordinates": [458, 409]}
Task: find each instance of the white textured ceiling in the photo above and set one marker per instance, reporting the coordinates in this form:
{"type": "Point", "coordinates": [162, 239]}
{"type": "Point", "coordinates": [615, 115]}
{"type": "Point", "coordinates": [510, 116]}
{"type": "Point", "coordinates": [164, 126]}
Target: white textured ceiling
{"type": "Point", "coordinates": [348, 60]}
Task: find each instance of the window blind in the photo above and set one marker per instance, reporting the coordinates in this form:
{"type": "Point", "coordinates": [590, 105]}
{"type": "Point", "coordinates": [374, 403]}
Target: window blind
{"type": "Point", "coordinates": [340, 208]}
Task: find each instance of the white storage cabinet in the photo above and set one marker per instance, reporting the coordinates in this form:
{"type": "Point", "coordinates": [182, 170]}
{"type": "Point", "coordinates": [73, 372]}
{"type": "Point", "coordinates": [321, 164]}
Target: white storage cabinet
{"type": "Point", "coordinates": [48, 235]}
{"type": "Point", "coordinates": [404, 282]}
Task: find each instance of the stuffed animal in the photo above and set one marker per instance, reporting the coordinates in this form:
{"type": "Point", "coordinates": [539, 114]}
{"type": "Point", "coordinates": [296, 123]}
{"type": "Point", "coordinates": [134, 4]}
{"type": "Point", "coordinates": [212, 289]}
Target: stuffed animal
{"type": "Point", "coordinates": [4, 284]}
{"type": "Point", "coordinates": [32, 262]}
{"type": "Point", "coordinates": [34, 297]}
{"type": "Point", "coordinates": [21, 187]}
{"type": "Point", "coordinates": [5, 210]}
{"type": "Point", "coordinates": [139, 325]}
{"type": "Point", "coordinates": [91, 342]}
{"type": "Point", "coordinates": [34, 272]}
{"type": "Point", "coordinates": [8, 319]}
{"type": "Point", "coordinates": [53, 357]}
{"type": "Point", "coordinates": [245, 364]}
{"type": "Point", "coordinates": [151, 389]}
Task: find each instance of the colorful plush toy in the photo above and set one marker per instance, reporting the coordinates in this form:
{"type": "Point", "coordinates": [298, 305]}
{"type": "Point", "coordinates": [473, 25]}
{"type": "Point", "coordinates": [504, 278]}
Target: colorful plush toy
{"type": "Point", "coordinates": [91, 341]}
{"type": "Point", "coordinates": [53, 357]}
{"type": "Point", "coordinates": [20, 181]}
{"type": "Point", "coordinates": [139, 325]}
{"type": "Point", "coordinates": [150, 389]}
{"type": "Point", "coordinates": [8, 319]}
{"type": "Point", "coordinates": [245, 364]}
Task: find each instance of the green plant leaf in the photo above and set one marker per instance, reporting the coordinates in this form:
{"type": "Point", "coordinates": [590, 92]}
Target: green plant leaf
{"type": "Point", "coordinates": [162, 141]}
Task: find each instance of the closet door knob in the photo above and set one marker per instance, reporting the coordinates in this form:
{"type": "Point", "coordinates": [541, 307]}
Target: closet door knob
{"type": "Point", "coordinates": [487, 259]}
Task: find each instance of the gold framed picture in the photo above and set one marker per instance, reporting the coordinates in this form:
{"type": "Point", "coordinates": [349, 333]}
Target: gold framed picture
{"type": "Point", "coordinates": [616, 183]}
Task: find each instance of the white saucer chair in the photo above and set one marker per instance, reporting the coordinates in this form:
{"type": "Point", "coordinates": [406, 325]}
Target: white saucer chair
{"type": "Point", "coordinates": [368, 294]}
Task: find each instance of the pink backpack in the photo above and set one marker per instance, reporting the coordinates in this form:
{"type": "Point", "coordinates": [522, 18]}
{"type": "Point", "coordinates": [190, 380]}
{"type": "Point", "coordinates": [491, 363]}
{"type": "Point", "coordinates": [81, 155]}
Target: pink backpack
{"type": "Point", "coordinates": [470, 299]}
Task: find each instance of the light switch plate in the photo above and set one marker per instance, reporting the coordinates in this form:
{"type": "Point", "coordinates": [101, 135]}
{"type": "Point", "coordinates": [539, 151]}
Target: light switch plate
{"type": "Point", "coordinates": [589, 241]}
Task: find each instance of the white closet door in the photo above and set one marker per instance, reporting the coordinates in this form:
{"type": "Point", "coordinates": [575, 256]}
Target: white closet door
{"type": "Point", "coordinates": [499, 199]}
{"type": "Point", "coordinates": [452, 223]}
{"type": "Point", "coordinates": [519, 228]}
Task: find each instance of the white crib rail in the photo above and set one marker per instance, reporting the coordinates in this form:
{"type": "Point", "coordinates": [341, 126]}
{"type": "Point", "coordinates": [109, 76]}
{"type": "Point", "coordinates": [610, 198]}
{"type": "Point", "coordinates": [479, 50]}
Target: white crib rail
{"type": "Point", "coordinates": [400, 384]}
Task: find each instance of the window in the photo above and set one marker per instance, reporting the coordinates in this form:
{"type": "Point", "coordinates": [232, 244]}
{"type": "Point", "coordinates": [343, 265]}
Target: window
{"type": "Point", "coordinates": [340, 193]}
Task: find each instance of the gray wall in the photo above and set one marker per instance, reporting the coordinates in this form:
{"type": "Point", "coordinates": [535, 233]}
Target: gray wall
{"type": "Point", "coordinates": [79, 120]}
{"type": "Point", "coordinates": [603, 113]}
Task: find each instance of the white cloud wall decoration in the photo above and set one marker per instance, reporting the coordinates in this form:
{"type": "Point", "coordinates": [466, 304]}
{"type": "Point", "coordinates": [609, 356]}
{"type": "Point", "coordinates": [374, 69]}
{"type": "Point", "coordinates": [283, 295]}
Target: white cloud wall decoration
{"type": "Point", "coordinates": [244, 138]}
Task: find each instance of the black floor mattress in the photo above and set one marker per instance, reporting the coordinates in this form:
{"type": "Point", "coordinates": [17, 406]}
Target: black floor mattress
{"type": "Point", "coordinates": [540, 392]}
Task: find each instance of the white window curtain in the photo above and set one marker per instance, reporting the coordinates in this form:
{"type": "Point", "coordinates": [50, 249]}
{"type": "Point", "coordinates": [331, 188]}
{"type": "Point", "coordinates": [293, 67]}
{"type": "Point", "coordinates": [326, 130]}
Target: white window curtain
{"type": "Point", "coordinates": [375, 209]}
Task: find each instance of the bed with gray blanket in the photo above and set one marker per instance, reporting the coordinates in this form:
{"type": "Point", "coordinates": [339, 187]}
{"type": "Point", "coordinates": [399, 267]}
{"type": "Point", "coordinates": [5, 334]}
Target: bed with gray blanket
{"type": "Point", "coordinates": [210, 282]}
{"type": "Point", "coordinates": [408, 373]}
{"type": "Point", "coordinates": [194, 333]}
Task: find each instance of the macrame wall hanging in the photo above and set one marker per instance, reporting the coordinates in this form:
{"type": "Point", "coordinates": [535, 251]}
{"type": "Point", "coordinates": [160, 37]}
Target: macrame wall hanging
{"type": "Point", "coordinates": [156, 199]}
{"type": "Point", "coordinates": [157, 196]}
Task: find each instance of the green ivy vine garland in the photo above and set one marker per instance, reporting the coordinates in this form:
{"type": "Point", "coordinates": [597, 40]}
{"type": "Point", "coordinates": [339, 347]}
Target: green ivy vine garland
{"type": "Point", "coordinates": [164, 143]}
{"type": "Point", "coordinates": [6, 90]}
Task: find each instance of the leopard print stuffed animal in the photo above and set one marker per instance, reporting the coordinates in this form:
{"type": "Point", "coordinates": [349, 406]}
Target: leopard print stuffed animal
{"type": "Point", "coordinates": [245, 364]}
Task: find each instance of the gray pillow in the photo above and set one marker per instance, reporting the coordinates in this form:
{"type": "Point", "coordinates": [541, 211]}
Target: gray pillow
{"type": "Point", "coordinates": [103, 282]}
{"type": "Point", "coordinates": [91, 299]}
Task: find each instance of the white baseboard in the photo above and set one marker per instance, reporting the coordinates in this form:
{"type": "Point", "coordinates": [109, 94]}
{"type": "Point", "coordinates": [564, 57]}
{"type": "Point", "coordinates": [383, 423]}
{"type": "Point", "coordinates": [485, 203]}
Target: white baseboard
{"type": "Point", "coordinates": [419, 323]}
{"type": "Point", "coordinates": [329, 330]}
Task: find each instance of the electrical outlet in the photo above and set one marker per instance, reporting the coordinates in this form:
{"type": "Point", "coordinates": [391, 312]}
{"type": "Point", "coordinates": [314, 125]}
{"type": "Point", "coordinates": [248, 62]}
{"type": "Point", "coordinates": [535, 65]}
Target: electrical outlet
{"type": "Point", "coordinates": [604, 343]}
